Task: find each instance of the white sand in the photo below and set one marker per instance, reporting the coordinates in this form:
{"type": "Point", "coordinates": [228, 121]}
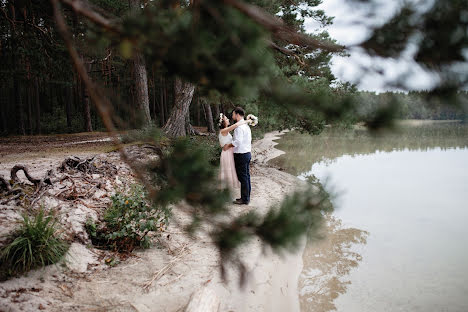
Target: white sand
{"type": "Point", "coordinates": [85, 283]}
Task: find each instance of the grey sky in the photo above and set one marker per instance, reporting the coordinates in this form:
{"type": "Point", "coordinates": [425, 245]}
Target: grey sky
{"type": "Point", "coordinates": [351, 26]}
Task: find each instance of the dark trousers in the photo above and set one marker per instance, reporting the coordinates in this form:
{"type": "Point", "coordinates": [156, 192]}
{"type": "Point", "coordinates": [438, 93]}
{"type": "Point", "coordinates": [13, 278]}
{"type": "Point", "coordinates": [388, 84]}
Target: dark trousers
{"type": "Point", "coordinates": [242, 162]}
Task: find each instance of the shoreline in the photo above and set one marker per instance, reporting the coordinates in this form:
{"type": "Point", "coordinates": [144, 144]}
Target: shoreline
{"type": "Point", "coordinates": [88, 284]}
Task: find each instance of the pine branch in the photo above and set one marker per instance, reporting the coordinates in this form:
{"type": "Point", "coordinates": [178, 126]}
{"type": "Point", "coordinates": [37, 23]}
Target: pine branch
{"type": "Point", "coordinates": [279, 30]}
{"type": "Point", "coordinates": [81, 8]}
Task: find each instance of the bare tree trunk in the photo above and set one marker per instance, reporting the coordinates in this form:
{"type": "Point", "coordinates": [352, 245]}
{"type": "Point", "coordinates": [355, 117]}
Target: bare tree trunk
{"type": "Point", "coordinates": [222, 107]}
{"type": "Point", "coordinates": [208, 116]}
{"type": "Point", "coordinates": [87, 109]}
{"type": "Point", "coordinates": [141, 78]}
{"type": "Point", "coordinates": [141, 86]}
{"type": "Point", "coordinates": [4, 120]}
{"type": "Point", "coordinates": [30, 125]}
{"type": "Point", "coordinates": [176, 125]}
{"type": "Point", "coordinates": [19, 105]}
{"type": "Point", "coordinates": [166, 102]}
{"type": "Point", "coordinates": [153, 107]}
{"type": "Point", "coordinates": [68, 99]}
{"type": "Point", "coordinates": [198, 111]}
{"type": "Point", "coordinates": [4, 100]}
{"type": "Point", "coordinates": [38, 106]}
{"type": "Point", "coordinates": [162, 113]}
{"type": "Point", "coordinates": [216, 112]}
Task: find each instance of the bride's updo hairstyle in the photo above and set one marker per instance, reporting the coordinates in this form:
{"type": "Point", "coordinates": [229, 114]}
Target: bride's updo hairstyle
{"type": "Point", "coordinates": [221, 123]}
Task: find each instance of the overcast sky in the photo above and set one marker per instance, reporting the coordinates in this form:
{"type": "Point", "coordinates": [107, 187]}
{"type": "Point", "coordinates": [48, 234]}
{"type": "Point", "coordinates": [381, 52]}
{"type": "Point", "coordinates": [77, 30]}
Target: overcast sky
{"type": "Point", "coordinates": [351, 26]}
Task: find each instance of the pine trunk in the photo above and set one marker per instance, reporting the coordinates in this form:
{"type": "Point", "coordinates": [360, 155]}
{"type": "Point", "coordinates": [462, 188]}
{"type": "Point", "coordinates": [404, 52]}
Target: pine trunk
{"type": "Point", "coordinates": [209, 117]}
{"type": "Point", "coordinates": [162, 113]}
{"type": "Point", "coordinates": [19, 105]}
{"type": "Point", "coordinates": [216, 112]}
{"type": "Point", "coordinates": [87, 106]}
{"type": "Point", "coordinates": [4, 100]}
{"type": "Point", "coordinates": [141, 78]}
{"type": "Point", "coordinates": [198, 111]}
{"type": "Point", "coordinates": [30, 122]}
{"type": "Point", "coordinates": [178, 123]}
{"type": "Point", "coordinates": [68, 99]}
{"type": "Point", "coordinates": [38, 106]}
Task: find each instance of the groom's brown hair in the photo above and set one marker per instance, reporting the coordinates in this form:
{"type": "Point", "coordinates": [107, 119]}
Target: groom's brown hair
{"type": "Point", "coordinates": [239, 110]}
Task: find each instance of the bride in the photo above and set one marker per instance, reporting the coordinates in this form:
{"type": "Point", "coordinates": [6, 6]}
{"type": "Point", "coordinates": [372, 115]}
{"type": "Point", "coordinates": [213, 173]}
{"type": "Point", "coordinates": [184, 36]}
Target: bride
{"type": "Point", "coordinates": [227, 172]}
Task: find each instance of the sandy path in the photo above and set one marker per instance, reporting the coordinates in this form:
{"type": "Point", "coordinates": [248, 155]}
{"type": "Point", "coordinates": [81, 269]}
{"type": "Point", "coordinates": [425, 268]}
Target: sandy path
{"type": "Point", "coordinates": [88, 285]}
{"type": "Point", "coordinates": [35, 147]}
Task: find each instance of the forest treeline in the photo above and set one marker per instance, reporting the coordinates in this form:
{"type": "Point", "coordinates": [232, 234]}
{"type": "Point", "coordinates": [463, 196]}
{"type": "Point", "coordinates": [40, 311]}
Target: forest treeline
{"type": "Point", "coordinates": [41, 93]}
{"type": "Point", "coordinates": [413, 105]}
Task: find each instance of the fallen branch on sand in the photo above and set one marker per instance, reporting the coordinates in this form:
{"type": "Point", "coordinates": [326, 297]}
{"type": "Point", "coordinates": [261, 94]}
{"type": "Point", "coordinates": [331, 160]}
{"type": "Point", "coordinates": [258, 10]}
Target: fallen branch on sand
{"type": "Point", "coordinates": [158, 274]}
{"type": "Point", "coordinates": [15, 189]}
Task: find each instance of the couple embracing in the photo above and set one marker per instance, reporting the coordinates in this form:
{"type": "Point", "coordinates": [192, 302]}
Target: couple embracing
{"type": "Point", "coordinates": [236, 154]}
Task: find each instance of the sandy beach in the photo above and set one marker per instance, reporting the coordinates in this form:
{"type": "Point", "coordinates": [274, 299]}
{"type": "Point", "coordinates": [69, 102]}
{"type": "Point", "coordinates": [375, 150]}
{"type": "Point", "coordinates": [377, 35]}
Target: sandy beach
{"type": "Point", "coordinates": [179, 265]}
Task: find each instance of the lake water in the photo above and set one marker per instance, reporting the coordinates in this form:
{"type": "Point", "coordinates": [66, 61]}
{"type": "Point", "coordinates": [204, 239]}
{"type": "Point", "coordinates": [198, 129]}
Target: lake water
{"type": "Point", "coordinates": [398, 238]}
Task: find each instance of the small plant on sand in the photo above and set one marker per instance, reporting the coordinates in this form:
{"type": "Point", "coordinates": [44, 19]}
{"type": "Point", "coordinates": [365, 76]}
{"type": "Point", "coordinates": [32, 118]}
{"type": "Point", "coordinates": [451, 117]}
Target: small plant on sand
{"type": "Point", "coordinates": [35, 244]}
{"type": "Point", "coordinates": [127, 222]}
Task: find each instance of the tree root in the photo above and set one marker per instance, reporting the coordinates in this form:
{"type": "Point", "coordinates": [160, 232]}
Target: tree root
{"type": "Point", "coordinates": [87, 166]}
{"type": "Point", "coordinates": [73, 192]}
{"type": "Point", "coordinates": [4, 185]}
{"type": "Point", "coordinates": [37, 182]}
{"type": "Point", "coordinates": [17, 168]}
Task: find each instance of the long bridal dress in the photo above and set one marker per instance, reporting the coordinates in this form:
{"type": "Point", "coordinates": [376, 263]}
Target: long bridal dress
{"type": "Point", "coordinates": [227, 170]}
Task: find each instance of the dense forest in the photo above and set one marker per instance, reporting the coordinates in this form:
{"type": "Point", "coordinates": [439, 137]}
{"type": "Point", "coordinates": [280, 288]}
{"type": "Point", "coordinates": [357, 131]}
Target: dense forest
{"type": "Point", "coordinates": [41, 92]}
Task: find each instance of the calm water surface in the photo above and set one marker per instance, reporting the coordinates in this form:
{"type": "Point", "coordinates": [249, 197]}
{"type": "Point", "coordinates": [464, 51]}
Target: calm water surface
{"type": "Point", "coordinates": [398, 239]}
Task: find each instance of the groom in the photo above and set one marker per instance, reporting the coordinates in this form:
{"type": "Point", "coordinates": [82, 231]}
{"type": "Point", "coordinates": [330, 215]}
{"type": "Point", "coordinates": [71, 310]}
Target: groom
{"type": "Point", "coordinates": [242, 144]}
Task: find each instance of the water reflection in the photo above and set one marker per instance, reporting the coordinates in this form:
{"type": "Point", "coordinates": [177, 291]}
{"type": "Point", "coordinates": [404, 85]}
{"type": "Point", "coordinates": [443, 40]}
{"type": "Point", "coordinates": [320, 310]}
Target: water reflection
{"type": "Point", "coordinates": [327, 263]}
{"type": "Point", "coordinates": [408, 190]}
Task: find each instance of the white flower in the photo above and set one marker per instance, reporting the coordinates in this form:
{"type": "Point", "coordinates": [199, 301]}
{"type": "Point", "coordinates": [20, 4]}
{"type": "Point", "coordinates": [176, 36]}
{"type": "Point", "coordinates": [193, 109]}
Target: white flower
{"type": "Point", "coordinates": [220, 122]}
{"type": "Point", "coordinates": [252, 120]}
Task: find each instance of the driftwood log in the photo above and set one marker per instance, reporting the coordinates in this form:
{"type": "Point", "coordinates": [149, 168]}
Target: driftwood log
{"type": "Point", "coordinates": [203, 300]}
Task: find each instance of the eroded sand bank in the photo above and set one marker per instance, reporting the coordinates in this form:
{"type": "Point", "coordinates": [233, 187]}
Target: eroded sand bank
{"type": "Point", "coordinates": [87, 284]}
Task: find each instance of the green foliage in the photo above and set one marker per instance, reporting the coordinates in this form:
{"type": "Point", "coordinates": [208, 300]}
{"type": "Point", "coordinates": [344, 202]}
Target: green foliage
{"type": "Point", "coordinates": [127, 222]}
{"type": "Point", "coordinates": [283, 226]}
{"type": "Point", "coordinates": [210, 144]}
{"type": "Point", "coordinates": [227, 51]}
{"type": "Point", "coordinates": [35, 244]}
{"type": "Point", "coordinates": [185, 173]}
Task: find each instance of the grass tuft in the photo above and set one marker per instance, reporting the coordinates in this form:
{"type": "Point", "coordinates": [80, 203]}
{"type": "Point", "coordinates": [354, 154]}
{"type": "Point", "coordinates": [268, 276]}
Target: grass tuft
{"type": "Point", "coordinates": [35, 244]}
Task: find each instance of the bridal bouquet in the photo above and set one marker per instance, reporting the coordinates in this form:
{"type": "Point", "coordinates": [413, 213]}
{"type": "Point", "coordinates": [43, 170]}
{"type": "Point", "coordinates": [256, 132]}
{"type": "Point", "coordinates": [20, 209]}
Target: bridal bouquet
{"type": "Point", "coordinates": [252, 120]}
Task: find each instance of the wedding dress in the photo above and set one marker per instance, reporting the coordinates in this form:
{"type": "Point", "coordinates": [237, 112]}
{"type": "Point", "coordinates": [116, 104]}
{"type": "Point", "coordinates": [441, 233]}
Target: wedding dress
{"type": "Point", "coordinates": [227, 171]}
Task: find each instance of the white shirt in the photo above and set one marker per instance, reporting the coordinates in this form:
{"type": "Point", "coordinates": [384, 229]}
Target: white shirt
{"type": "Point", "coordinates": [242, 139]}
